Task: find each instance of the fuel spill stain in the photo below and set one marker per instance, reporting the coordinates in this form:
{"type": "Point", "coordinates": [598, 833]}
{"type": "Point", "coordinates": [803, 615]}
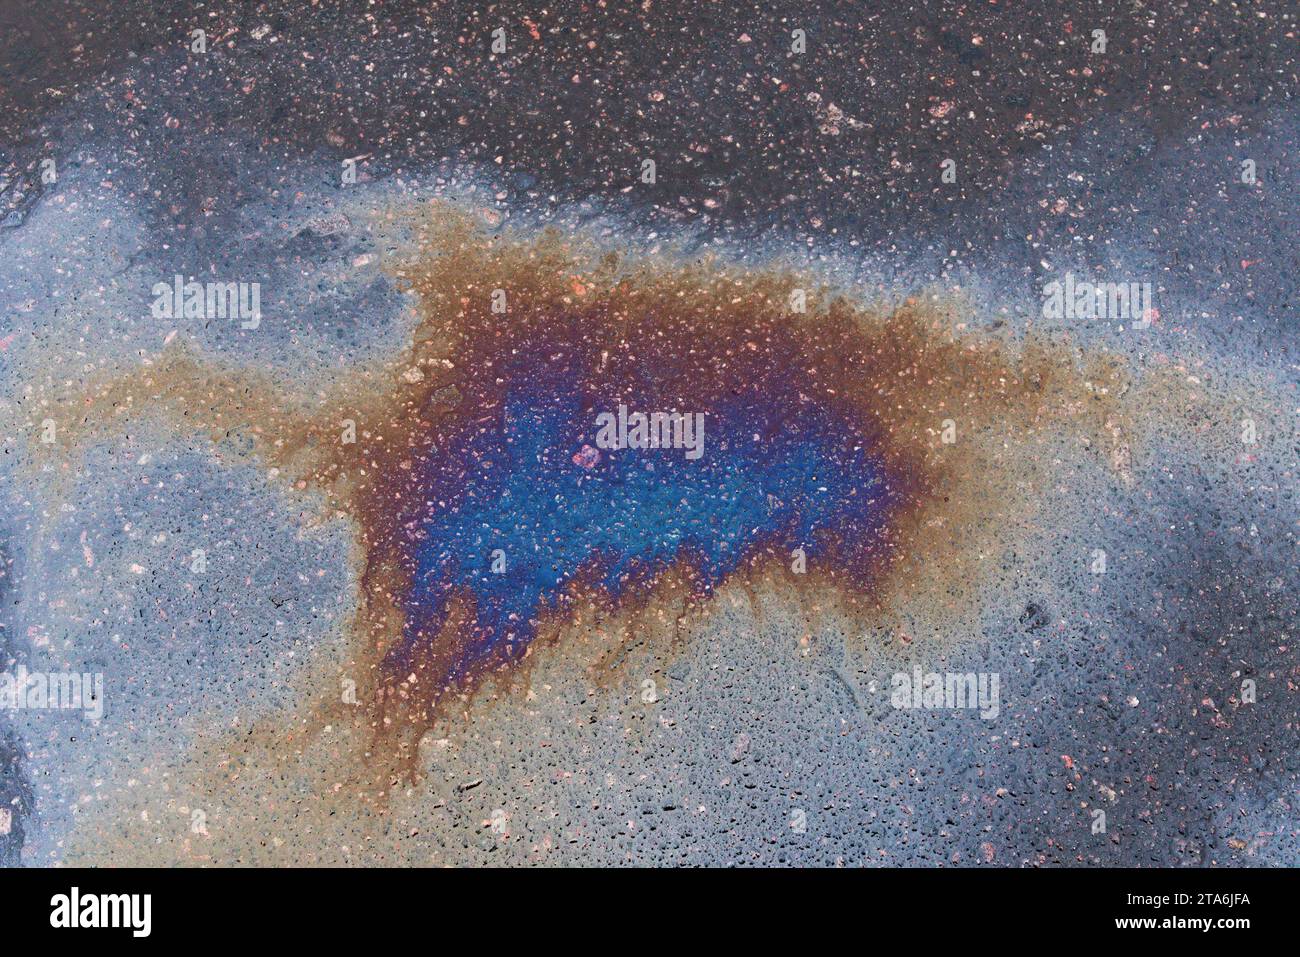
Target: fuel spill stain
{"type": "Point", "coordinates": [488, 518]}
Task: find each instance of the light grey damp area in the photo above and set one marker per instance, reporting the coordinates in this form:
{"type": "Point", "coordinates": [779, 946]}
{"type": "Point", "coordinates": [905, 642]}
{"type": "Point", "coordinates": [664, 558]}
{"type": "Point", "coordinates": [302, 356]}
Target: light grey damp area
{"type": "Point", "coordinates": [197, 596]}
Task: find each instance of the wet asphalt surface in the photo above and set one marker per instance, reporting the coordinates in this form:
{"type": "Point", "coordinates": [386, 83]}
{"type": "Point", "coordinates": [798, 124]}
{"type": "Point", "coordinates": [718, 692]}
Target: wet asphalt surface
{"type": "Point", "coordinates": [1128, 157]}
